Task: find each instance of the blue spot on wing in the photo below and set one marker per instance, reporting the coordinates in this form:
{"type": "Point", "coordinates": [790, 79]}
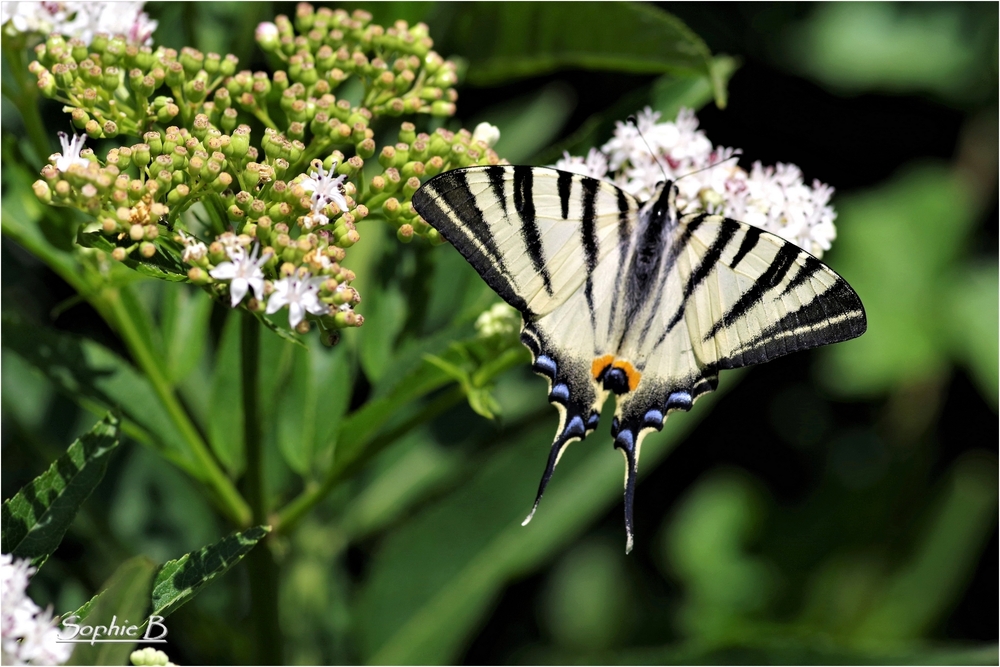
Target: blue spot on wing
{"type": "Point", "coordinates": [545, 364]}
{"type": "Point", "coordinates": [653, 418]}
{"type": "Point", "coordinates": [560, 392]}
{"type": "Point", "coordinates": [679, 400]}
{"type": "Point", "coordinates": [575, 428]}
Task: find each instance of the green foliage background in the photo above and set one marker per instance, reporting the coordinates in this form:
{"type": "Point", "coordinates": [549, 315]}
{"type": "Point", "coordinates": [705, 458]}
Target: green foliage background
{"type": "Point", "coordinates": [839, 506]}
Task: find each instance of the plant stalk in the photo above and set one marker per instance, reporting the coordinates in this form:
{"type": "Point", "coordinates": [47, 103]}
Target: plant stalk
{"type": "Point", "coordinates": [260, 561]}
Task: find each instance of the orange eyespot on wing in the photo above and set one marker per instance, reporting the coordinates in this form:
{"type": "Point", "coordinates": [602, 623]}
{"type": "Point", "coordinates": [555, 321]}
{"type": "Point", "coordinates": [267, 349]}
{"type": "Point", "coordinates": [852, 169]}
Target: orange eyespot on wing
{"type": "Point", "coordinates": [600, 365]}
{"type": "Point", "coordinates": [601, 370]}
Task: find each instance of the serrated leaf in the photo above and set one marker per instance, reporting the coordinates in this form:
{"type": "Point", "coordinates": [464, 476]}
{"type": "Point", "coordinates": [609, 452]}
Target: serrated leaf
{"type": "Point", "coordinates": [178, 581]}
{"type": "Point", "coordinates": [36, 518]}
{"type": "Point", "coordinates": [124, 600]}
{"type": "Point", "coordinates": [164, 265]}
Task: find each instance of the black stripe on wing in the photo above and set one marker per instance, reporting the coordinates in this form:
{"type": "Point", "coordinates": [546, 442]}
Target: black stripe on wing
{"type": "Point", "coordinates": [833, 316]}
{"type": "Point", "coordinates": [783, 260]}
{"type": "Point", "coordinates": [727, 230]}
{"type": "Point", "coordinates": [524, 204]}
{"type": "Point", "coordinates": [473, 237]}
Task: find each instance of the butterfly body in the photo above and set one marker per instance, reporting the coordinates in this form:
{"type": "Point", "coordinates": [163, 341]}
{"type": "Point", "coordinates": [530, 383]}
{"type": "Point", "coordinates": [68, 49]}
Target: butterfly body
{"type": "Point", "coordinates": [632, 300]}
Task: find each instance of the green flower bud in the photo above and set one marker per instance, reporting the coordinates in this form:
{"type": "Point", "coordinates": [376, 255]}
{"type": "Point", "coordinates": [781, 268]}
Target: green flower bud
{"type": "Point", "coordinates": [111, 79]}
{"type": "Point", "coordinates": [63, 76]}
{"type": "Point", "coordinates": [212, 63]}
{"type": "Point", "coordinates": [167, 113]}
{"type": "Point", "coordinates": [228, 65]}
{"type": "Point", "coordinates": [42, 191]}
{"type": "Point", "coordinates": [366, 148]}
{"type": "Point", "coordinates": [228, 121]}
{"type": "Point", "coordinates": [110, 129]}
{"type": "Point", "coordinates": [175, 74]}
{"type": "Point", "coordinates": [47, 84]}
{"type": "Point", "coordinates": [93, 129]}
{"type": "Point", "coordinates": [195, 91]}
{"type": "Point", "coordinates": [387, 157]}
{"type": "Point", "coordinates": [442, 108]}
{"type": "Point", "coordinates": [191, 60]}
{"type": "Point", "coordinates": [411, 186]}
{"type": "Point", "coordinates": [223, 182]}
{"type": "Point", "coordinates": [223, 100]}
{"type": "Point", "coordinates": [405, 233]}
{"type": "Point", "coordinates": [434, 166]}
{"type": "Point", "coordinates": [140, 155]}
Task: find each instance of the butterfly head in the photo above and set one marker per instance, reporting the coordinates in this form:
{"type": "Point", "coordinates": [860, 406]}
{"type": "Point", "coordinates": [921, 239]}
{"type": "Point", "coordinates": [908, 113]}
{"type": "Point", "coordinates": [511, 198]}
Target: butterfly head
{"type": "Point", "coordinates": [664, 200]}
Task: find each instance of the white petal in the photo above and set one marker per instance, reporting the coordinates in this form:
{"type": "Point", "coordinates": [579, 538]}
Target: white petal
{"type": "Point", "coordinates": [224, 271]}
{"type": "Point", "coordinates": [295, 314]}
{"type": "Point", "coordinates": [238, 290]}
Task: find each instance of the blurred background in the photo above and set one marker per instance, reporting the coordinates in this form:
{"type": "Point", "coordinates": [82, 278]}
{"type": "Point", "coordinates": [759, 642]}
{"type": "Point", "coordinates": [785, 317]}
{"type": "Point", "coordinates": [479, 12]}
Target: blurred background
{"type": "Point", "coordinates": [833, 506]}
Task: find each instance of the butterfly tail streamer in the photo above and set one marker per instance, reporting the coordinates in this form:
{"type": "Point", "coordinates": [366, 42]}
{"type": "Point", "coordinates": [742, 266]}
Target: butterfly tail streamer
{"type": "Point", "coordinates": [630, 450]}
{"type": "Point", "coordinates": [573, 431]}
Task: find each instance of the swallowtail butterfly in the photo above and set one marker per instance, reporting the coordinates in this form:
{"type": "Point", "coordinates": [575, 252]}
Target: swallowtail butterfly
{"type": "Point", "coordinates": [628, 298]}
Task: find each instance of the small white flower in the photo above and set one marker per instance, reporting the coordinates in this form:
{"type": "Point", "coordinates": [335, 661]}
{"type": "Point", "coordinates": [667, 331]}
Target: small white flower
{"type": "Point", "coordinates": [70, 155]}
{"type": "Point", "coordinates": [300, 294]}
{"type": "Point", "coordinates": [111, 18]}
{"type": "Point", "coordinates": [486, 133]}
{"type": "Point", "coordinates": [594, 165]}
{"type": "Point", "coordinates": [29, 635]}
{"type": "Point", "coordinates": [325, 188]}
{"type": "Point", "coordinates": [244, 272]}
{"type": "Point", "coordinates": [707, 179]}
{"type": "Point", "coordinates": [194, 250]}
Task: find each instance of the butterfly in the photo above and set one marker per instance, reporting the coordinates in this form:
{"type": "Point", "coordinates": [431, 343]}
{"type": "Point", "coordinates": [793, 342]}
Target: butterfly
{"type": "Point", "coordinates": [630, 298]}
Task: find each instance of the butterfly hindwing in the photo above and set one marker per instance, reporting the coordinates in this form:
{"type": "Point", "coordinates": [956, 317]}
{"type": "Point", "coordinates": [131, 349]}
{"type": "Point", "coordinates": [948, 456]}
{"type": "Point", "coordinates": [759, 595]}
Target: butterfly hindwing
{"type": "Point", "coordinates": [634, 301]}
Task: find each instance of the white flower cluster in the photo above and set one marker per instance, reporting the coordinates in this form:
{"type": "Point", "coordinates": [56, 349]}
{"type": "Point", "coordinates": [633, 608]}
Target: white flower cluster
{"type": "Point", "coordinates": [773, 198]}
{"type": "Point", "coordinates": [325, 189]}
{"type": "Point", "coordinates": [29, 634]}
{"type": "Point", "coordinates": [82, 20]}
{"type": "Point", "coordinates": [500, 320]}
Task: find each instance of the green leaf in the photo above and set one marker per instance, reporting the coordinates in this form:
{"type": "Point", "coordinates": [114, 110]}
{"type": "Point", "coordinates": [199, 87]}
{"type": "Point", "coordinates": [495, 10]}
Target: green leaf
{"type": "Point", "coordinates": [225, 428]}
{"type": "Point", "coordinates": [671, 93]}
{"type": "Point", "coordinates": [185, 317]}
{"type": "Point", "coordinates": [530, 123]}
{"type": "Point", "coordinates": [921, 593]}
{"type": "Point", "coordinates": [36, 518]}
{"type": "Point", "coordinates": [421, 602]}
{"type": "Point", "coordinates": [99, 380]}
{"type": "Point", "coordinates": [125, 600]}
{"type": "Point", "coordinates": [668, 95]}
{"type": "Point", "coordinates": [505, 41]}
{"type": "Point", "coordinates": [312, 405]}
{"type": "Point", "coordinates": [972, 325]}
{"type": "Point", "coordinates": [164, 265]}
{"type": "Point", "coordinates": [178, 581]}
{"type": "Point", "coordinates": [384, 319]}
{"type": "Point", "coordinates": [895, 242]}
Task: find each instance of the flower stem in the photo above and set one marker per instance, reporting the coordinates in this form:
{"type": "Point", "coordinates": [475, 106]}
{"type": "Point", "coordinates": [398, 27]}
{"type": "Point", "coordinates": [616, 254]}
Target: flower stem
{"type": "Point", "coordinates": [25, 101]}
{"type": "Point", "coordinates": [260, 561]}
{"type": "Point", "coordinates": [231, 502]}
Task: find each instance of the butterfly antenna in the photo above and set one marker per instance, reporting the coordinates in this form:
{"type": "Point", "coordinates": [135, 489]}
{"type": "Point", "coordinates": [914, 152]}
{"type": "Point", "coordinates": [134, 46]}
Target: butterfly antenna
{"type": "Point", "coordinates": [635, 124]}
{"type": "Point", "coordinates": [735, 156]}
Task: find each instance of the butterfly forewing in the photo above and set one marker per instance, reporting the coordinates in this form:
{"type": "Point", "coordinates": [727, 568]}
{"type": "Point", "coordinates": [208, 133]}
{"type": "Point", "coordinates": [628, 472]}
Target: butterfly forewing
{"type": "Point", "coordinates": [533, 234]}
{"type": "Point", "coordinates": [632, 301]}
